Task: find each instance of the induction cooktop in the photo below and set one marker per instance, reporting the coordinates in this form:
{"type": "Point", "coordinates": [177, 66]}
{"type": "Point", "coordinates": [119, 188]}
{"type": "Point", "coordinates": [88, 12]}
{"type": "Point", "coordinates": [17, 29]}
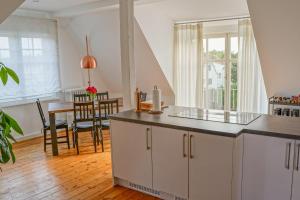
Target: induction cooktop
{"type": "Point", "coordinates": [231, 117]}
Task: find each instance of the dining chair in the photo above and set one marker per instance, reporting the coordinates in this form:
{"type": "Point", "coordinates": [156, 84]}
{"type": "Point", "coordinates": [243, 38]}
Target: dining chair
{"type": "Point", "coordinates": [78, 97]}
{"type": "Point", "coordinates": [59, 124]}
{"type": "Point", "coordinates": [102, 96]}
{"type": "Point", "coordinates": [106, 109]}
{"type": "Point", "coordinates": [85, 120]}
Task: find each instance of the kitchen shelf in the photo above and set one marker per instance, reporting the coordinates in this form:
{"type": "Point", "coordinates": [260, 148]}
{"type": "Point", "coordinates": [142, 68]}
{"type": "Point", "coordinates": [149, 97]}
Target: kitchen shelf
{"type": "Point", "coordinates": [273, 103]}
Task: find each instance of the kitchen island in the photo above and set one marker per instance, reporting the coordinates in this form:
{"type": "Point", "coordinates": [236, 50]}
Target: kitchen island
{"type": "Point", "coordinates": [179, 158]}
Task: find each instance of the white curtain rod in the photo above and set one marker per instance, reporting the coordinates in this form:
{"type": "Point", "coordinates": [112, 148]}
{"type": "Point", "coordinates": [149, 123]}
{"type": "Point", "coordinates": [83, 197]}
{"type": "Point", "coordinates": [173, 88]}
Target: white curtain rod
{"type": "Point", "coordinates": [213, 20]}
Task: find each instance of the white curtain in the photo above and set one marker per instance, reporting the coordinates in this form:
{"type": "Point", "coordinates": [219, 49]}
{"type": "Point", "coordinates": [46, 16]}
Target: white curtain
{"type": "Point", "coordinates": [188, 74]}
{"type": "Point", "coordinates": [251, 89]}
{"type": "Point", "coordinates": [29, 46]}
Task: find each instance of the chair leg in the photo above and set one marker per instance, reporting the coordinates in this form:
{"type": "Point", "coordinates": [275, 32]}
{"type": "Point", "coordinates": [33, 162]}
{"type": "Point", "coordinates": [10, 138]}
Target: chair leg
{"type": "Point", "coordinates": [68, 139]}
{"type": "Point", "coordinates": [73, 138]}
{"type": "Point", "coordinates": [94, 140]}
{"type": "Point", "coordinates": [97, 134]}
{"type": "Point", "coordinates": [76, 143]}
{"type": "Point", "coordinates": [45, 139]}
{"type": "Point", "coordinates": [102, 143]}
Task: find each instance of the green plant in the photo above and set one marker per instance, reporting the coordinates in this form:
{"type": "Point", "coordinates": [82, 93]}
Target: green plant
{"type": "Point", "coordinates": [7, 123]}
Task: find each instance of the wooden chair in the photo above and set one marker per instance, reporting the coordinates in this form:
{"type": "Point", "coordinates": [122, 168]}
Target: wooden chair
{"type": "Point", "coordinates": [102, 96]}
{"type": "Point", "coordinates": [60, 124]}
{"type": "Point", "coordinates": [78, 97]}
{"type": "Point", "coordinates": [85, 120]}
{"type": "Point", "coordinates": [107, 108]}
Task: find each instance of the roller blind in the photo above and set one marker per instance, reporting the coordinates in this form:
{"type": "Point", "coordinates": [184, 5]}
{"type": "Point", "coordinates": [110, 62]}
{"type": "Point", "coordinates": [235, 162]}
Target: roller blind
{"type": "Point", "coordinates": [29, 46]}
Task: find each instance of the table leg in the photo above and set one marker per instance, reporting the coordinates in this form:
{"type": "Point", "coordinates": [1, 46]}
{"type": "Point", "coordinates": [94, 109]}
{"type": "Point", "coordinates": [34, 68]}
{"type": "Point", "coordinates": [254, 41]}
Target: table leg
{"type": "Point", "coordinates": [53, 134]}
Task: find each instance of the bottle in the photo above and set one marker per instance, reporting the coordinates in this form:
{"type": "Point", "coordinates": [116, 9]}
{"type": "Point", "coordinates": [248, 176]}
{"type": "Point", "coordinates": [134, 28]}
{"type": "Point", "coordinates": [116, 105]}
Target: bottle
{"type": "Point", "coordinates": [156, 95]}
{"type": "Point", "coordinates": [138, 100]}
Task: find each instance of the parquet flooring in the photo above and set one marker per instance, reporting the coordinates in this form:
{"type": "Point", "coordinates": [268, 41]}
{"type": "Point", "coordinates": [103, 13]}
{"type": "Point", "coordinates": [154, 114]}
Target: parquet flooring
{"type": "Point", "coordinates": [38, 175]}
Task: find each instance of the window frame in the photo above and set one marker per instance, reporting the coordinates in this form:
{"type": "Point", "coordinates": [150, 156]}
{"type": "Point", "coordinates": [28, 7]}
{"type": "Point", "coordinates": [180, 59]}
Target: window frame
{"type": "Point", "coordinates": [227, 64]}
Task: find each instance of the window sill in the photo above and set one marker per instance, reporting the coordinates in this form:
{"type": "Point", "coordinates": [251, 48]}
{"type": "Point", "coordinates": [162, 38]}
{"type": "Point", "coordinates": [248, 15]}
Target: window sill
{"type": "Point", "coordinates": [28, 101]}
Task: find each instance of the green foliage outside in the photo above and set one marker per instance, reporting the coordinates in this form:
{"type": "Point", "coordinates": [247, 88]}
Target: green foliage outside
{"type": "Point", "coordinates": [220, 55]}
{"type": "Point", "coordinates": [7, 123]}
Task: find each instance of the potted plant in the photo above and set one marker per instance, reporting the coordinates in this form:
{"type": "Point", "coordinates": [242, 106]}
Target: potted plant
{"type": "Point", "coordinates": [7, 123]}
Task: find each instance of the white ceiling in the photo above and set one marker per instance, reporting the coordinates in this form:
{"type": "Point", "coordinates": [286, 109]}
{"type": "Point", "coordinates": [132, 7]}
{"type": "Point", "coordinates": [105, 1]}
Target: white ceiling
{"type": "Point", "coordinates": [177, 10]}
{"type": "Point", "coordinates": [53, 5]}
{"type": "Point", "coordinates": [181, 10]}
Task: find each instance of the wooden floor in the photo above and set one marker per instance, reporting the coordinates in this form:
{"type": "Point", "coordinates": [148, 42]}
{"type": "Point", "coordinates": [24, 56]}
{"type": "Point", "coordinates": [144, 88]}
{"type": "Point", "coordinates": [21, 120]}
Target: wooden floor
{"type": "Point", "coordinates": [39, 175]}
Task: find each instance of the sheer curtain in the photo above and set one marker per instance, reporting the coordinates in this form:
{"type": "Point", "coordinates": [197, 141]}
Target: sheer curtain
{"type": "Point", "coordinates": [29, 46]}
{"type": "Point", "coordinates": [252, 95]}
{"type": "Point", "coordinates": [188, 74]}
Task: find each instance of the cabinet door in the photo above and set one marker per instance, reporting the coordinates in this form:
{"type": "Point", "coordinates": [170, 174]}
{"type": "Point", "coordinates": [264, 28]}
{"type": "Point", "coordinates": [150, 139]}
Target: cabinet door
{"type": "Point", "coordinates": [131, 152]}
{"type": "Point", "coordinates": [211, 160]}
{"type": "Point", "coordinates": [267, 168]}
{"type": "Point", "coordinates": [170, 161]}
{"type": "Point", "coordinates": [296, 178]}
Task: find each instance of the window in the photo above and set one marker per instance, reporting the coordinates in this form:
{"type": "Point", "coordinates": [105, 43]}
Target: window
{"type": "Point", "coordinates": [29, 46]}
{"type": "Point", "coordinates": [4, 47]}
{"type": "Point", "coordinates": [32, 47]}
{"type": "Point", "coordinates": [220, 63]}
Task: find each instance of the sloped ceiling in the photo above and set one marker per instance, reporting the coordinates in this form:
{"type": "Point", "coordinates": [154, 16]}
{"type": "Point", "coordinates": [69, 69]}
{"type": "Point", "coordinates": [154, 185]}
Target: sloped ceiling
{"type": "Point", "coordinates": [277, 32]}
{"type": "Point", "coordinates": [7, 7]}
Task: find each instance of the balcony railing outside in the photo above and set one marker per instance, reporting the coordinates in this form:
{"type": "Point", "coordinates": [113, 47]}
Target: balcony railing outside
{"type": "Point", "coordinates": [215, 98]}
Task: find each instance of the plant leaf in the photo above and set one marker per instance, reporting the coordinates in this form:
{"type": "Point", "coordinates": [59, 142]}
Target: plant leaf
{"type": "Point", "coordinates": [13, 75]}
{"type": "Point", "coordinates": [13, 123]}
{"type": "Point", "coordinates": [4, 151]}
{"type": "Point", "coordinates": [3, 75]}
{"type": "Point", "coordinates": [13, 157]}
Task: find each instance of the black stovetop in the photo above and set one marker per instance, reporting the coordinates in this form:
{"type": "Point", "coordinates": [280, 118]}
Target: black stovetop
{"type": "Point", "coordinates": [231, 117]}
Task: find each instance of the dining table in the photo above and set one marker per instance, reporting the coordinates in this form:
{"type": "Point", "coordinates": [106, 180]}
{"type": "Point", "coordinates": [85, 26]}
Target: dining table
{"type": "Point", "coordinates": [63, 107]}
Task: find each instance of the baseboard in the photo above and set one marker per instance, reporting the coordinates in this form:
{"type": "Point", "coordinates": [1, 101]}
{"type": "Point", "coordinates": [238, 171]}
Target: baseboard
{"type": "Point", "coordinates": [28, 136]}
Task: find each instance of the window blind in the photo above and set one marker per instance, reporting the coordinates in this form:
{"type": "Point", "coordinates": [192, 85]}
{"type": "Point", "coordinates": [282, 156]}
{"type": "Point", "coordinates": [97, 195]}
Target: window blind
{"type": "Point", "coordinates": [29, 46]}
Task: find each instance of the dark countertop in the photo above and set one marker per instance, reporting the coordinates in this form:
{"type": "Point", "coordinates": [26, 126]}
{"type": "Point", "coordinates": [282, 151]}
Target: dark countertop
{"type": "Point", "coordinates": [163, 120]}
{"type": "Point", "coordinates": [276, 126]}
{"type": "Point", "coordinates": [285, 127]}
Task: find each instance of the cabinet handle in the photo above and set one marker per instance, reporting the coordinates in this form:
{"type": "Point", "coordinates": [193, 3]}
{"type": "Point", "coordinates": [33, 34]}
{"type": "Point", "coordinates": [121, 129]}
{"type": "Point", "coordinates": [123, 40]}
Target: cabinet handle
{"type": "Point", "coordinates": [147, 139]}
{"type": "Point", "coordinates": [184, 154]}
{"type": "Point", "coordinates": [297, 160]}
{"type": "Point", "coordinates": [288, 155]}
{"type": "Point", "coordinates": [191, 155]}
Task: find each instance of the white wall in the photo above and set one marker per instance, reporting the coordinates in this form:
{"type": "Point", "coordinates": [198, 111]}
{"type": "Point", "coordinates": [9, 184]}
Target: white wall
{"type": "Point", "coordinates": [72, 76]}
{"type": "Point", "coordinates": [277, 32]}
{"type": "Point", "coordinates": [148, 69]}
{"type": "Point", "coordinates": [159, 32]}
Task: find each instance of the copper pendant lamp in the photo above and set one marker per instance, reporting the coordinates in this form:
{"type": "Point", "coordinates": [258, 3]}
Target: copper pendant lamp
{"type": "Point", "coordinates": [88, 62]}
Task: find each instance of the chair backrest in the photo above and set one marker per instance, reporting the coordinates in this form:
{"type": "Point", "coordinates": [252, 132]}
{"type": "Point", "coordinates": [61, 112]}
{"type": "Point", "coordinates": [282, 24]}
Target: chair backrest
{"type": "Point", "coordinates": [108, 107]}
{"type": "Point", "coordinates": [143, 96]}
{"type": "Point", "coordinates": [77, 97]}
{"type": "Point", "coordinates": [38, 103]}
{"type": "Point", "coordinates": [84, 111]}
{"type": "Point", "coordinates": [102, 96]}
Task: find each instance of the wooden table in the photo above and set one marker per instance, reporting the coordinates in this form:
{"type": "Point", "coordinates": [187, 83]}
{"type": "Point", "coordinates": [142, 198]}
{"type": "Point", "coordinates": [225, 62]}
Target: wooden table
{"type": "Point", "coordinates": [61, 107]}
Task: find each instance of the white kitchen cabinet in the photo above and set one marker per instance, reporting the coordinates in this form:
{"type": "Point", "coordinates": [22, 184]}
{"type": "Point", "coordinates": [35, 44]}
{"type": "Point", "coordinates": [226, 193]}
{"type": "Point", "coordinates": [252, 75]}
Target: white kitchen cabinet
{"type": "Point", "coordinates": [296, 175]}
{"type": "Point", "coordinates": [267, 168]}
{"type": "Point", "coordinates": [210, 167]}
{"type": "Point", "coordinates": [170, 161]}
{"type": "Point", "coordinates": [131, 152]}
